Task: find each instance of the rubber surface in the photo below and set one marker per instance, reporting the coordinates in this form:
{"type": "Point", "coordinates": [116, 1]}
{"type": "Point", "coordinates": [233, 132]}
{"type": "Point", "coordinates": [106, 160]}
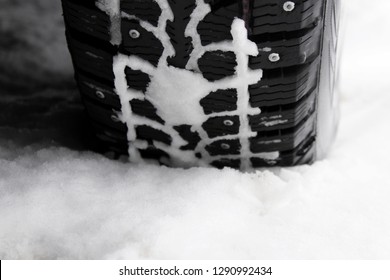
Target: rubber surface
{"type": "Point", "coordinates": [287, 94]}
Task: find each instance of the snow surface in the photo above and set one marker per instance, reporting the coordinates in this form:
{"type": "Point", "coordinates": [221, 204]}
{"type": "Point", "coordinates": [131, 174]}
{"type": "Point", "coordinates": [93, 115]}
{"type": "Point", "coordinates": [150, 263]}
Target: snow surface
{"type": "Point", "coordinates": [59, 201]}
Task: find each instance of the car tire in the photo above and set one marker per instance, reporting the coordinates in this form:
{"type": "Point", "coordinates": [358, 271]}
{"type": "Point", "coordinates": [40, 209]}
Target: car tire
{"type": "Point", "coordinates": [143, 67]}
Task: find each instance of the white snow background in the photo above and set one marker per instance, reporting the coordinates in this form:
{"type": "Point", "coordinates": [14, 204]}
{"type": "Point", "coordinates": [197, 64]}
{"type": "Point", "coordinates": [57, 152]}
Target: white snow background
{"type": "Point", "coordinates": [60, 202]}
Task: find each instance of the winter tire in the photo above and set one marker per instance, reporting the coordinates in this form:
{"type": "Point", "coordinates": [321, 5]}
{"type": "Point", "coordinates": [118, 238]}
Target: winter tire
{"type": "Point", "coordinates": [226, 83]}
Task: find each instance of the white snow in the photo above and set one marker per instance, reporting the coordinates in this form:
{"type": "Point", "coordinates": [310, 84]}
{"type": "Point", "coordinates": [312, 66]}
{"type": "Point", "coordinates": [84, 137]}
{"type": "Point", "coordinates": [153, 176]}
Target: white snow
{"type": "Point", "coordinates": [59, 202]}
{"type": "Point", "coordinates": [180, 96]}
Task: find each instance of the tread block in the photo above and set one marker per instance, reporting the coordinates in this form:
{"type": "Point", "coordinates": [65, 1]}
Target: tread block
{"type": "Point", "coordinates": [220, 101]}
{"type": "Point", "coordinates": [146, 46]}
{"type": "Point", "coordinates": [215, 27]}
{"type": "Point", "coordinates": [147, 10]}
{"type": "Point", "coordinates": [145, 109]}
{"type": "Point", "coordinates": [292, 52]}
{"type": "Point", "coordinates": [136, 79]}
{"type": "Point", "coordinates": [97, 62]}
{"type": "Point", "coordinates": [224, 147]}
{"type": "Point", "coordinates": [182, 10]}
{"type": "Point", "coordinates": [284, 85]}
{"type": "Point", "coordinates": [303, 154]}
{"type": "Point", "coordinates": [217, 65]}
{"type": "Point", "coordinates": [108, 139]}
{"type": "Point", "coordinates": [103, 115]}
{"type": "Point", "coordinates": [98, 92]}
{"type": "Point", "coordinates": [283, 116]}
{"type": "Point", "coordinates": [270, 16]}
{"type": "Point", "coordinates": [221, 126]}
{"type": "Point", "coordinates": [282, 139]}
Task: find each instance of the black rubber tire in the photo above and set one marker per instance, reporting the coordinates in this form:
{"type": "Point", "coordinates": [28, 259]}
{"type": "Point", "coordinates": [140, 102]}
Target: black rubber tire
{"type": "Point", "coordinates": [302, 35]}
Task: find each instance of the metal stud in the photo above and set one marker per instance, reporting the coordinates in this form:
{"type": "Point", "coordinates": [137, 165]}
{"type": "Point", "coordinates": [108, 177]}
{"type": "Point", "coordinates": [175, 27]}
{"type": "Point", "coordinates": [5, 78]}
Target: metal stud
{"type": "Point", "coordinates": [134, 34]}
{"type": "Point", "coordinates": [289, 6]}
{"type": "Point", "coordinates": [99, 94]}
{"type": "Point", "coordinates": [225, 146]}
{"type": "Point", "coordinates": [274, 57]}
{"type": "Point", "coordinates": [228, 122]}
